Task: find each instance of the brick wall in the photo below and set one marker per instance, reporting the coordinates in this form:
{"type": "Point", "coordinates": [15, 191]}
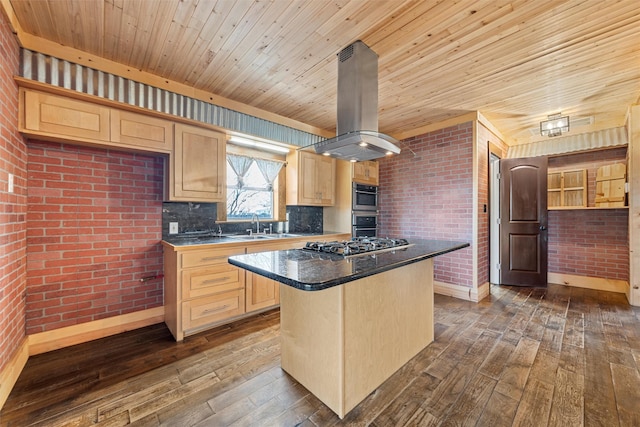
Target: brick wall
{"type": "Point", "coordinates": [594, 242]}
{"type": "Point", "coordinates": [94, 230]}
{"type": "Point", "coordinates": [430, 195]}
{"type": "Point", "coordinates": [13, 159]}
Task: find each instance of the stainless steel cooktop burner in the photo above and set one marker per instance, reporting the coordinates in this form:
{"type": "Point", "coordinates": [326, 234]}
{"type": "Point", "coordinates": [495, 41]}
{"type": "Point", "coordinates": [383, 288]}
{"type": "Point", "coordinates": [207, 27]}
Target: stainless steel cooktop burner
{"type": "Point", "coordinates": [357, 245]}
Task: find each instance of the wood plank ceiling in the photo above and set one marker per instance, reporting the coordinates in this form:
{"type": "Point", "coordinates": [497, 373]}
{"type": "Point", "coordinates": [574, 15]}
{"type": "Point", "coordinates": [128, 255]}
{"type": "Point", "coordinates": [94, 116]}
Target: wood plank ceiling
{"type": "Point", "coordinates": [515, 61]}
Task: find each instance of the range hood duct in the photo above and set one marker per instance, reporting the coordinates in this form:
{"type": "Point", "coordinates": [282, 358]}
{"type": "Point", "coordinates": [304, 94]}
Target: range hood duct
{"type": "Point", "coordinates": [357, 127]}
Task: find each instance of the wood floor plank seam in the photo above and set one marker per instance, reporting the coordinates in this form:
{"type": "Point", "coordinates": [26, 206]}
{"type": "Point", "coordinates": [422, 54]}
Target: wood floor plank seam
{"type": "Point", "coordinates": [522, 356]}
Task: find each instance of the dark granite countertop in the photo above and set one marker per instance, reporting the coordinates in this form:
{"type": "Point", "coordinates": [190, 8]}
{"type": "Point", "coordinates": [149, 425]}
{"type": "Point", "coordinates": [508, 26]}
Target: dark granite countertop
{"type": "Point", "coordinates": [210, 238]}
{"type": "Point", "coordinates": [313, 271]}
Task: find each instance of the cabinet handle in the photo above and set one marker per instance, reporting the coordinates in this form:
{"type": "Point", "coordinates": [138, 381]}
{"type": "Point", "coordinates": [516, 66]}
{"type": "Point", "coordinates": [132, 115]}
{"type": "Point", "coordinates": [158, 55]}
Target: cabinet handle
{"type": "Point", "coordinates": [219, 279]}
{"type": "Point", "coordinates": [212, 258]}
{"type": "Point", "coordinates": [215, 310]}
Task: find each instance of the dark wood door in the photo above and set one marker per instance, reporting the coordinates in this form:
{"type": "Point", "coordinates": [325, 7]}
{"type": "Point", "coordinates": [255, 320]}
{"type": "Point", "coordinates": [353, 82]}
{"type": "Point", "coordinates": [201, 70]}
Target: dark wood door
{"type": "Point", "coordinates": [523, 221]}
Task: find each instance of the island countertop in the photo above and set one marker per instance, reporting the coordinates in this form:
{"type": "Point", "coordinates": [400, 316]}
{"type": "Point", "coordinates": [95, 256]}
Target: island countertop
{"type": "Point", "coordinates": [314, 271]}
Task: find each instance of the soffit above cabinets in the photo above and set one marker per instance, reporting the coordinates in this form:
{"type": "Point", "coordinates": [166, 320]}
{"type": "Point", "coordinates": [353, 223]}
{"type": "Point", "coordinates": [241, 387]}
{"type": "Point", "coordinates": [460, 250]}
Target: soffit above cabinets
{"type": "Point", "coordinates": [515, 62]}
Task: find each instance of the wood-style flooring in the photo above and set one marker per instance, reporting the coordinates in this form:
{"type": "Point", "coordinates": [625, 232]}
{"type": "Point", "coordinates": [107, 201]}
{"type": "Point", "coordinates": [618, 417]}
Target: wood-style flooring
{"type": "Point", "coordinates": [523, 356]}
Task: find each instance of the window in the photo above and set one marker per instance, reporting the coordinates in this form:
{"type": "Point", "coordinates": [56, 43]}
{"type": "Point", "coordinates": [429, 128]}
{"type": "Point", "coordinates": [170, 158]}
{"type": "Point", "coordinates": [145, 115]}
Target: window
{"type": "Point", "coordinates": [250, 187]}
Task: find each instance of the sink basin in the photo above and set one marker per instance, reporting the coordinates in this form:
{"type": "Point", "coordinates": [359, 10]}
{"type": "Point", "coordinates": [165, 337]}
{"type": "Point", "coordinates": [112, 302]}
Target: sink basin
{"type": "Point", "coordinates": [252, 237]}
{"type": "Point", "coordinates": [262, 236]}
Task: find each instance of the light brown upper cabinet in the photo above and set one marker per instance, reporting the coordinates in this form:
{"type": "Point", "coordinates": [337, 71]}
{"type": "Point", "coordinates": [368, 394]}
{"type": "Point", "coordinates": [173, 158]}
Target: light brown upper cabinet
{"type": "Point", "coordinates": [197, 170]}
{"type": "Point", "coordinates": [65, 119]}
{"type": "Point", "coordinates": [365, 172]}
{"type": "Point", "coordinates": [567, 189]}
{"type": "Point", "coordinates": [138, 130]}
{"type": "Point", "coordinates": [311, 179]}
{"type": "Point", "coordinates": [59, 118]}
{"type": "Point", "coordinates": [610, 185]}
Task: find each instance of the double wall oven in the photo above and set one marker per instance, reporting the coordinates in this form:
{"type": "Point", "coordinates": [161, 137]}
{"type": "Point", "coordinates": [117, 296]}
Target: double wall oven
{"type": "Point", "coordinates": [364, 213]}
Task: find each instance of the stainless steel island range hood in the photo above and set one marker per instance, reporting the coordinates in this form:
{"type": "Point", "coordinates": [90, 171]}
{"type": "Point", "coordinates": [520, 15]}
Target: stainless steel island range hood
{"type": "Point", "coordinates": [357, 127]}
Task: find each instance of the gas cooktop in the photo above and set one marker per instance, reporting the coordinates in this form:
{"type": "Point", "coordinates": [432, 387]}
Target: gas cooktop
{"type": "Point", "coordinates": [355, 246]}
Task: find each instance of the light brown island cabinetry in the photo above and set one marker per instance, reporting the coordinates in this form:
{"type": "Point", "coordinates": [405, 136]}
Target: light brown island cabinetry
{"type": "Point", "coordinates": [341, 343]}
{"type": "Point", "coordinates": [365, 172]}
{"type": "Point", "coordinates": [65, 119]}
{"type": "Point", "coordinates": [311, 179]}
{"type": "Point", "coordinates": [197, 167]}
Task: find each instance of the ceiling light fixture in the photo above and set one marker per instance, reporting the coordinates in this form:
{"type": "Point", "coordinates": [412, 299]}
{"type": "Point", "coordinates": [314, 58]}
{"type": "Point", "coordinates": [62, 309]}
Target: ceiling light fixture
{"type": "Point", "coordinates": [554, 125]}
{"type": "Point", "coordinates": [258, 144]}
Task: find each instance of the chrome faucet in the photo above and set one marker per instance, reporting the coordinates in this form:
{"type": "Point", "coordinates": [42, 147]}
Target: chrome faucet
{"type": "Point", "coordinates": [257, 221]}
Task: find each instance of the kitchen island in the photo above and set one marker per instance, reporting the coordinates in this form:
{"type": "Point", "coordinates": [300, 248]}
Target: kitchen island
{"type": "Point", "coordinates": [348, 323]}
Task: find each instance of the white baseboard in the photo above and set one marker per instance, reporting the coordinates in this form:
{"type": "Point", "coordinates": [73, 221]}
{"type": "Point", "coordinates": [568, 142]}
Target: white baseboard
{"type": "Point", "coordinates": [461, 292]}
{"type": "Point", "coordinates": [597, 283]}
{"type": "Point", "coordinates": [89, 331]}
{"type": "Point", "coordinates": [11, 371]}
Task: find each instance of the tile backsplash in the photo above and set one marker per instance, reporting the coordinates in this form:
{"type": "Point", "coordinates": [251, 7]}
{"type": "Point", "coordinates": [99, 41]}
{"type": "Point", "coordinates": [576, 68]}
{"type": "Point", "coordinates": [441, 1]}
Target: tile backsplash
{"type": "Point", "coordinates": [304, 219]}
{"type": "Point", "coordinates": [192, 216]}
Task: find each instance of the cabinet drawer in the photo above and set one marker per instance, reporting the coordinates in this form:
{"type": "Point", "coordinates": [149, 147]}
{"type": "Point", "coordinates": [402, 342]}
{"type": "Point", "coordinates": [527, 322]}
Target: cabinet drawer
{"type": "Point", "coordinates": [209, 257]}
{"type": "Point", "coordinates": [204, 311]}
{"type": "Point", "coordinates": [209, 281]}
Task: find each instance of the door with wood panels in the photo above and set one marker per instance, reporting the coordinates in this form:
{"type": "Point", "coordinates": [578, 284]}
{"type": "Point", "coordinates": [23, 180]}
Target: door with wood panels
{"type": "Point", "coordinates": [523, 221]}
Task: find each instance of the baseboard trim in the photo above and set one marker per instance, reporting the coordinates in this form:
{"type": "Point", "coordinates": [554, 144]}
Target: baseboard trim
{"type": "Point", "coordinates": [11, 371]}
{"type": "Point", "coordinates": [462, 292]}
{"type": "Point", "coordinates": [597, 283]}
{"type": "Point", "coordinates": [89, 331]}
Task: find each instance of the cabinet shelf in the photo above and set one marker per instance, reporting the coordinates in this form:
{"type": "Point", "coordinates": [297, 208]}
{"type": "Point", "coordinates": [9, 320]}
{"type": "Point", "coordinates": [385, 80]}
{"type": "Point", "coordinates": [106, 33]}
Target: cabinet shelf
{"type": "Point", "coordinates": [567, 189]}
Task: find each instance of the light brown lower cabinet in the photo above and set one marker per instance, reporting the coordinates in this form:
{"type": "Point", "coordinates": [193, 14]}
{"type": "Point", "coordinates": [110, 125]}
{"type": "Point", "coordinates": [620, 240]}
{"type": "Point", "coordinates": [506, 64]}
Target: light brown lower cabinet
{"type": "Point", "coordinates": [204, 311]}
{"type": "Point", "coordinates": [262, 292]}
{"type": "Point", "coordinates": [202, 290]}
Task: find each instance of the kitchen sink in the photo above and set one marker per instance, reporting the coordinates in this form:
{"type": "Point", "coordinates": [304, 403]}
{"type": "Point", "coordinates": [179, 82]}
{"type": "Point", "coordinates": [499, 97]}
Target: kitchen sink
{"type": "Point", "coordinates": [262, 236]}
{"type": "Point", "coordinates": [248, 237]}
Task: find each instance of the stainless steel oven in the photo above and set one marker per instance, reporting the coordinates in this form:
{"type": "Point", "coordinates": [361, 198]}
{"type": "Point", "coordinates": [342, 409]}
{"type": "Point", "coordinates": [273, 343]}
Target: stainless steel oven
{"type": "Point", "coordinates": [365, 197]}
{"type": "Point", "coordinates": [364, 224]}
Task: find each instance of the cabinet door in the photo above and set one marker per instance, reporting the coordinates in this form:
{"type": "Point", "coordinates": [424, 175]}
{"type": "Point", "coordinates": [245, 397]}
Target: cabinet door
{"type": "Point", "coordinates": [62, 118]}
{"type": "Point", "coordinates": [326, 180]}
{"type": "Point", "coordinates": [316, 180]}
{"type": "Point", "coordinates": [365, 172]}
{"type": "Point", "coordinates": [198, 168]}
{"type": "Point", "coordinates": [261, 292]}
{"type": "Point", "coordinates": [138, 130]}
{"type": "Point", "coordinates": [307, 176]}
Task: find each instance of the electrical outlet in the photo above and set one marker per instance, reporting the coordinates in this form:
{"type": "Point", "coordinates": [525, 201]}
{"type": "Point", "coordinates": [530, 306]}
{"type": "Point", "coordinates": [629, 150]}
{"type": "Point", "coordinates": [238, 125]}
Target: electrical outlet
{"type": "Point", "coordinates": [173, 228]}
{"type": "Point", "coordinates": [10, 183]}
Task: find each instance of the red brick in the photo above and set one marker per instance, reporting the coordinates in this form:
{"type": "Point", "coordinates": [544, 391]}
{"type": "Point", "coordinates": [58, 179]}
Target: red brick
{"type": "Point", "coordinates": [102, 245]}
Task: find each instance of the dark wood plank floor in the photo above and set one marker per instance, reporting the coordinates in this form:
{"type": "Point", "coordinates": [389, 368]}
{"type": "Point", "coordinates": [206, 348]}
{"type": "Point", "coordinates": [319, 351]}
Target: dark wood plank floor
{"type": "Point", "coordinates": [524, 356]}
